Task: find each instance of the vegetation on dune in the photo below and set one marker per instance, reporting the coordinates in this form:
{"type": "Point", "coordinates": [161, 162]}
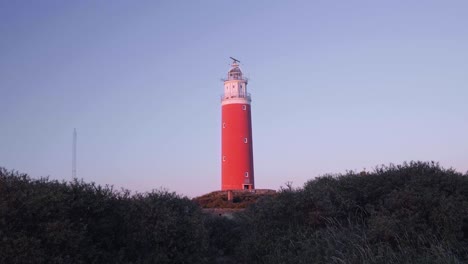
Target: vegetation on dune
{"type": "Point", "coordinates": [410, 213]}
{"type": "Point", "coordinates": [44, 221]}
{"type": "Point", "coordinates": [219, 199]}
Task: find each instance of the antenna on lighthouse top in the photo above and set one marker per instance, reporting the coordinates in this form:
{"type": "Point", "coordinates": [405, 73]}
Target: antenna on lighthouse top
{"type": "Point", "coordinates": [234, 60]}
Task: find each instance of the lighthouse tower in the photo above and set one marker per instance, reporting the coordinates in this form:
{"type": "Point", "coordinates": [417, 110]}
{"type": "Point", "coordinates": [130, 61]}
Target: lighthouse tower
{"type": "Point", "coordinates": [236, 155]}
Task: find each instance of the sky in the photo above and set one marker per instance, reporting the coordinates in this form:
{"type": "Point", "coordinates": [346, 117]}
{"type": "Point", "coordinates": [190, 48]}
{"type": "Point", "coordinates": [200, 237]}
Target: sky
{"type": "Point", "coordinates": [336, 86]}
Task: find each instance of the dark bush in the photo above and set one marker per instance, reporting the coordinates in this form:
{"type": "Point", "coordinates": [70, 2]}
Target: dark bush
{"type": "Point", "coordinates": [44, 221]}
{"type": "Point", "coordinates": [410, 213]}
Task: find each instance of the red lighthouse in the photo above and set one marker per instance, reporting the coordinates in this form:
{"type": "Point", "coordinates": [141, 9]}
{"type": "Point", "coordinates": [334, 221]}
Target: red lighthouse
{"type": "Point", "coordinates": [237, 153]}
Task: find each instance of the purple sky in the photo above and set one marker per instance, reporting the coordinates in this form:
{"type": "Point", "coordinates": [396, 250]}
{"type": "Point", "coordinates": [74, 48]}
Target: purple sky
{"type": "Point", "coordinates": [336, 85]}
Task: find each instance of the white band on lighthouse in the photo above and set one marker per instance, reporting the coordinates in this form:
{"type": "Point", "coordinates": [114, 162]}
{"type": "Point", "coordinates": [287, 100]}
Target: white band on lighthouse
{"type": "Point", "coordinates": [235, 101]}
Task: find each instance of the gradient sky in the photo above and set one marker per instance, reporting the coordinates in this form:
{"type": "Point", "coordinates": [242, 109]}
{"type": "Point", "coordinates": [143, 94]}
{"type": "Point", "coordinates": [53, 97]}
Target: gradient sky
{"type": "Point", "coordinates": [336, 86]}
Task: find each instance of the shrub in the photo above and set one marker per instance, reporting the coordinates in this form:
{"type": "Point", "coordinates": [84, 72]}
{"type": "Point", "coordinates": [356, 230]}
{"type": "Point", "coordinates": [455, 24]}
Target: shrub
{"type": "Point", "coordinates": [44, 221]}
{"type": "Point", "coordinates": [410, 213]}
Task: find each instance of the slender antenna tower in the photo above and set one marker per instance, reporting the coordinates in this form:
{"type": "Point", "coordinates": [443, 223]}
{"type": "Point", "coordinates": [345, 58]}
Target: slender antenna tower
{"type": "Point", "coordinates": [74, 155]}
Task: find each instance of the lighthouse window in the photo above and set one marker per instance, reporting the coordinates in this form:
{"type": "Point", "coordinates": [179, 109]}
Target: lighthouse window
{"type": "Point", "coordinates": [224, 158]}
{"type": "Point", "coordinates": [245, 140]}
{"type": "Point", "coordinates": [246, 174]}
{"type": "Point", "coordinates": [224, 125]}
{"type": "Point", "coordinates": [244, 107]}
